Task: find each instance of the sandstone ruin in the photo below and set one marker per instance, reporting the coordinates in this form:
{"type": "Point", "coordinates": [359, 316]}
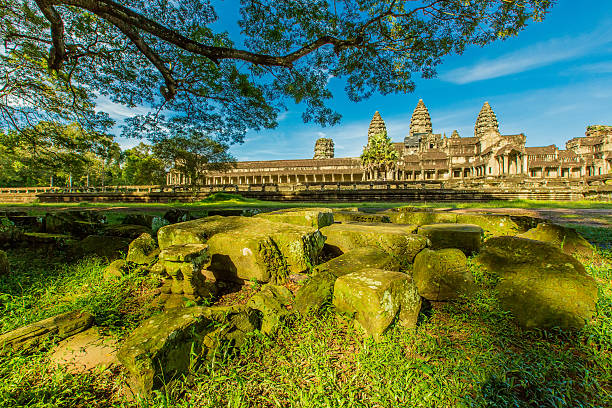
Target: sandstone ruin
{"type": "Point", "coordinates": [425, 155]}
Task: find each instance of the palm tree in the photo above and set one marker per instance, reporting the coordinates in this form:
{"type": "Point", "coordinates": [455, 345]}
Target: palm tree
{"type": "Point", "coordinates": [379, 156]}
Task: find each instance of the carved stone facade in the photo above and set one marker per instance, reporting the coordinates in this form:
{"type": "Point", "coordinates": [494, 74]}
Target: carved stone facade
{"type": "Point", "coordinates": [324, 149]}
{"type": "Point", "coordinates": [424, 155]}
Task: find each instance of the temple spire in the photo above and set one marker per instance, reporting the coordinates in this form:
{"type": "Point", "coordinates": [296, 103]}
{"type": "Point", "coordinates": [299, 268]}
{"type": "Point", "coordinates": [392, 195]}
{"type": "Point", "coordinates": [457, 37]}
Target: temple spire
{"type": "Point", "coordinates": [421, 121]}
{"type": "Point", "coordinates": [486, 121]}
{"type": "Point", "coordinates": [377, 126]}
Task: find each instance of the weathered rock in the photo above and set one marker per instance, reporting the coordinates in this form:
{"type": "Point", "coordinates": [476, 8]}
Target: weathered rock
{"type": "Point", "coordinates": [367, 257]}
{"type": "Point", "coordinates": [355, 216]}
{"type": "Point", "coordinates": [177, 215]}
{"type": "Point", "coordinates": [145, 220]}
{"type": "Point", "coordinates": [244, 248]}
{"type": "Point", "coordinates": [419, 216]}
{"type": "Point", "coordinates": [570, 241]}
{"type": "Point", "coordinates": [9, 234]}
{"type": "Point", "coordinates": [316, 293]}
{"type": "Point", "coordinates": [42, 240]}
{"type": "Point", "coordinates": [375, 298]}
{"type": "Point", "coordinates": [235, 325]}
{"type": "Point", "coordinates": [5, 266]}
{"type": "Point", "coordinates": [308, 217]}
{"type": "Point", "coordinates": [36, 335]}
{"type": "Point", "coordinates": [162, 348]}
{"type": "Point", "coordinates": [143, 250]}
{"type": "Point", "coordinates": [71, 222]}
{"type": "Point", "coordinates": [272, 302]}
{"type": "Point", "coordinates": [157, 223]}
{"type": "Point", "coordinates": [85, 351]}
{"type": "Point", "coordinates": [465, 237]}
{"type": "Point", "coordinates": [542, 286]}
{"type": "Point", "coordinates": [103, 246]}
{"type": "Point", "coordinates": [184, 264]}
{"type": "Point", "coordinates": [442, 275]}
{"type": "Point", "coordinates": [492, 224]}
{"type": "Point", "coordinates": [397, 240]}
{"type": "Point", "coordinates": [27, 222]}
{"type": "Point", "coordinates": [126, 230]}
{"type": "Point", "coordinates": [115, 269]}
{"type": "Point", "coordinates": [318, 290]}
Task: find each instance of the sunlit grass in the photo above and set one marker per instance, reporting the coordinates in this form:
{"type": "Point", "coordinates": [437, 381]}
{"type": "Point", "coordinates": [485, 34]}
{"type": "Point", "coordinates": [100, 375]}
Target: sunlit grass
{"type": "Point", "coordinates": [468, 353]}
{"type": "Point", "coordinates": [225, 200]}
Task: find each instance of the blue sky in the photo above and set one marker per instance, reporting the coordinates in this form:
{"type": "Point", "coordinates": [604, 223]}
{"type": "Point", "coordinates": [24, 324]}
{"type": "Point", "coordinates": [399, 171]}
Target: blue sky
{"type": "Point", "coordinates": [550, 82]}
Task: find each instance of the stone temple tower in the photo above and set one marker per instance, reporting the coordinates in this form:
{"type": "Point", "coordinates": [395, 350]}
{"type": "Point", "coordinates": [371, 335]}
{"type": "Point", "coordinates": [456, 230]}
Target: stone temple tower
{"type": "Point", "coordinates": [324, 149]}
{"type": "Point", "coordinates": [486, 121]}
{"type": "Point", "coordinates": [421, 121]}
{"type": "Point", "coordinates": [377, 126]}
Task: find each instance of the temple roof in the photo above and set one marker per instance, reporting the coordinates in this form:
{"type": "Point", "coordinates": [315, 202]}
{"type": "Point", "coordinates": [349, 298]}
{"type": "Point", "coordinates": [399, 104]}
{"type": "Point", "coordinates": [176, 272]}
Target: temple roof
{"type": "Point", "coordinates": [550, 149]}
{"type": "Point", "coordinates": [420, 121]}
{"type": "Point", "coordinates": [486, 120]}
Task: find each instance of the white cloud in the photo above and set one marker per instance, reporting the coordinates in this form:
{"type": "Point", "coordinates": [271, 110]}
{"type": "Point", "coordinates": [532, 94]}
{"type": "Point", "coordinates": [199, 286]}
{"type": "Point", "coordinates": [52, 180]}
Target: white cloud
{"type": "Point", "coordinates": [532, 57]}
{"type": "Point", "coordinates": [597, 68]}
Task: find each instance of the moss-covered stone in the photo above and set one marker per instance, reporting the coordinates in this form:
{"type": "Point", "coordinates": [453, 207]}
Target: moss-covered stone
{"type": "Point", "coordinates": [316, 293]}
{"type": "Point", "coordinates": [107, 247]}
{"type": "Point", "coordinates": [412, 216]}
{"type": "Point", "coordinates": [492, 224]}
{"type": "Point", "coordinates": [249, 248]}
{"type": "Point", "coordinates": [570, 241]}
{"type": "Point", "coordinates": [143, 250]}
{"type": "Point", "coordinates": [36, 335]}
{"type": "Point", "coordinates": [308, 217]}
{"type": "Point", "coordinates": [318, 290]}
{"type": "Point", "coordinates": [163, 347]}
{"type": "Point", "coordinates": [356, 216]}
{"type": "Point", "coordinates": [115, 269]}
{"type": "Point", "coordinates": [184, 264]}
{"type": "Point", "coordinates": [126, 231]}
{"type": "Point", "coordinates": [271, 301]}
{"type": "Point", "coordinates": [367, 257]}
{"type": "Point", "coordinates": [5, 266]}
{"type": "Point", "coordinates": [376, 298]}
{"type": "Point", "coordinates": [72, 222]}
{"type": "Point", "coordinates": [442, 275]}
{"type": "Point", "coordinates": [146, 220]}
{"type": "Point", "coordinates": [397, 240]}
{"type": "Point", "coordinates": [465, 237]}
{"type": "Point", "coordinates": [542, 286]}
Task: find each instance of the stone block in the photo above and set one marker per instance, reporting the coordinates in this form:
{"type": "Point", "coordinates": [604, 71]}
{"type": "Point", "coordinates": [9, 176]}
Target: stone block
{"type": "Point", "coordinates": [542, 286]}
{"type": "Point", "coordinates": [465, 237]}
{"type": "Point", "coordinates": [35, 335]}
{"type": "Point", "coordinates": [375, 298]}
{"type": "Point", "coordinates": [442, 275]}
{"type": "Point", "coordinates": [397, 240]}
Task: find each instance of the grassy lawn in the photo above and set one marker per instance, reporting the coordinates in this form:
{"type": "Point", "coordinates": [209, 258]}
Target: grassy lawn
{"type": "Point", "coordinates": [227, 200]}
{"type": "Point", "coordinates": [463, 354]}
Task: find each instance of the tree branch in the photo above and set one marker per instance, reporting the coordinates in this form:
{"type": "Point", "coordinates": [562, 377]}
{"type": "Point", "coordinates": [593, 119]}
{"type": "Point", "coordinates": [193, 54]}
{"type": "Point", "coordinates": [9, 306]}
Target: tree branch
{"type": "Point", "coordinates": [108, 8]}
{"type": "Point", "coordinates": [57, 54]}
{"type": "Point", "coordinates": [170, 92]}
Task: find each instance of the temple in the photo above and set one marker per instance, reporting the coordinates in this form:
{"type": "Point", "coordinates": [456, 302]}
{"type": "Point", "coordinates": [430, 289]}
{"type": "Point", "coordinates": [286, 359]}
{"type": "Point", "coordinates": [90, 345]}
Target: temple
{"type": "Point", "coordinates": [424, 155]}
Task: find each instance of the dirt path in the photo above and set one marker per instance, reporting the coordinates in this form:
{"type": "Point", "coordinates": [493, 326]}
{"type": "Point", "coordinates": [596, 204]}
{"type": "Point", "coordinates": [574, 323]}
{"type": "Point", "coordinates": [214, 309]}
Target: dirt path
{"type": "Point", "coordinates": [588, 217]}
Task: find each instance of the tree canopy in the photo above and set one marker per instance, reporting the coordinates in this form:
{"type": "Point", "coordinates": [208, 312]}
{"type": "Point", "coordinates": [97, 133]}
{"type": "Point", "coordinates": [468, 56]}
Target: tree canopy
{"type": "Point", "coordinates": [193, 155]}
{"type": "Point", "coordinates": [379, 156]}
{"type": "Point", "coordinates": [174, 56]}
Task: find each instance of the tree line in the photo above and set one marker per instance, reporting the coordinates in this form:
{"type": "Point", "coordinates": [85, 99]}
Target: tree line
{"type": "Point", "coordinates": [57, 155]}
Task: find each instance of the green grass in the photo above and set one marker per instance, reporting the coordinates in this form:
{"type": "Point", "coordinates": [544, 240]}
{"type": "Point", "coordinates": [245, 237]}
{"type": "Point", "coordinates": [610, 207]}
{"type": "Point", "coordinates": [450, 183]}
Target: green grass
{"type": "Point", "coordinates": [225, 200]}
{"type": "Point", "coordinates": [463, 354]}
